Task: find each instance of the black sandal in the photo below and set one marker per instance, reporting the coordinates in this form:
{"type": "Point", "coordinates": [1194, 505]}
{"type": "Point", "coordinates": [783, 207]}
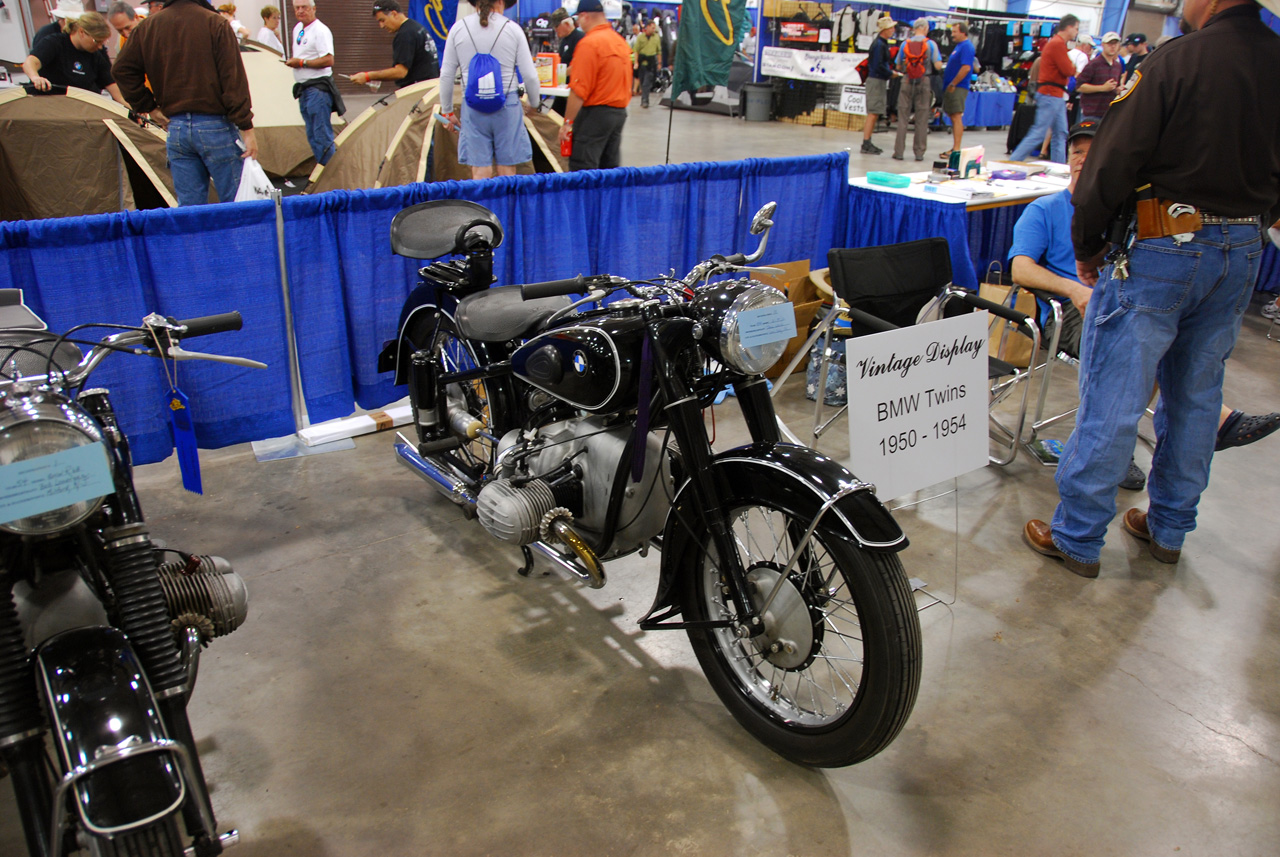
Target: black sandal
{"type": "Point", "coordinates": [1241, 429]}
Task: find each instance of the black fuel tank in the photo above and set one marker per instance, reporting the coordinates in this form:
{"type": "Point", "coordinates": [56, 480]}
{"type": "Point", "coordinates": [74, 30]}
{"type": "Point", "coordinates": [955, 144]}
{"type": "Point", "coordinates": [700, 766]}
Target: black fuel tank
{"type": "Point", "coordinates": [593, 365]}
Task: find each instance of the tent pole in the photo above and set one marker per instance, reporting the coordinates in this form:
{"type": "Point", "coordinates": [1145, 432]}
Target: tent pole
{"type": "Point", "coordinates": [300, 418]}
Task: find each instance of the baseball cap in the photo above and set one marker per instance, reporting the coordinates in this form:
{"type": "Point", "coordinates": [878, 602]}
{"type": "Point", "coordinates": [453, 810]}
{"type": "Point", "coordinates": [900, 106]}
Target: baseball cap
{"type": "Point", "coordinates": [559, 16]}
{"type": "Point", "coordinates": [1085, 128]}
{"type": "Point", "coordinates": [1084, 39]}
{"type": "Point", "coordinates": [1111, 37]}
{"type": "Point", "coordinates": [1136, 39]}
{"type": "Point", "coordinates": [590, 6]}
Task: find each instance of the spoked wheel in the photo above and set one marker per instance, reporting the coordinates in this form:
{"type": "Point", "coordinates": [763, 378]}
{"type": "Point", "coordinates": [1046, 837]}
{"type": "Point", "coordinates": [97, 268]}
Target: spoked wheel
{"type": "Point", "coordinates": [482, 401]}
{"type": "Point", "coordinates": [834, 676]}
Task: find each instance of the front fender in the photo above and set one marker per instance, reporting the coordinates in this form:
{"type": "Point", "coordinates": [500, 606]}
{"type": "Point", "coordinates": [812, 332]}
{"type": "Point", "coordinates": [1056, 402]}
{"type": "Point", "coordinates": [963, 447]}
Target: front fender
{"type": "Point", "coordinates": [796, 480]}
{"type": "Point", "coordinates": [99, 701]}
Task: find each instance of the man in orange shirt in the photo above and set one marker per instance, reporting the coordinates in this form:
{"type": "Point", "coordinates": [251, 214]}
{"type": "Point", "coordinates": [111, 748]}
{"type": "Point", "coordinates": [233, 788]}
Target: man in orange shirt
{"type": "Point", "coordinates": [599, 92]}
{"type": "Point", "coordinates": [1051, 107]}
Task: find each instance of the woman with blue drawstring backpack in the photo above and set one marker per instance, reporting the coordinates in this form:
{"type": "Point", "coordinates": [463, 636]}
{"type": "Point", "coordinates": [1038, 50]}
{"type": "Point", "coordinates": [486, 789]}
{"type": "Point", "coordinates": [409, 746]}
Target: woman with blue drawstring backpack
{"type": "Point", "coordinates": [494, 58]}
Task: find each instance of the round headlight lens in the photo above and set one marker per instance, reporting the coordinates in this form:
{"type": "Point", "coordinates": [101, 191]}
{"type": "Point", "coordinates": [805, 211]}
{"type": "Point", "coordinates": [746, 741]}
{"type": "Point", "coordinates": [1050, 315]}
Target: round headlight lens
{"type": "Point", "coordinates": [751, 360]}
{"type": "Point", "coordinates": [42, 430]}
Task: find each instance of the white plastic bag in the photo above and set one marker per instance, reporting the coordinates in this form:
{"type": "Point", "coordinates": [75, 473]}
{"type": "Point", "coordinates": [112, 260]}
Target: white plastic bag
{"type": "Point", "coordinates": [254, 183]}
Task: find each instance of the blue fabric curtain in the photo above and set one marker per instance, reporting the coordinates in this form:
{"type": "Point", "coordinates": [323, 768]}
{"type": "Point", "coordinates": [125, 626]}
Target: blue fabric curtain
{"type": "Point", "coordinates": [1269, 272]}
{"type": "Point", "coordinates": [633, 222]}
{"type": "Point", "coordinates": [887, 218]}
{"type": "Point", "coordinates": [1113, 14]}
{"type": "Point", "coordinates": [991, 235]}
{"type": "Point", "coordinates": [182, 263]}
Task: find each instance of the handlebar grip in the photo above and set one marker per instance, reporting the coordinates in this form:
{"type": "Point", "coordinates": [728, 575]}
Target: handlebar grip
{"type": "Point", "coordinates": [207, 324]}
{"type": "Point", "coordinates": [553, 288]}
{"type": "Point", "coordinates": [736, 259]}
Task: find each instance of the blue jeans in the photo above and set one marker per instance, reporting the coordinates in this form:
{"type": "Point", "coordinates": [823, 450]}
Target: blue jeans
{"type": "Point", "coordinates": [1051, 113]}
{"type": "Point", "coordinates": [1174, 320]}
{"type": "Point", "coordinates": [316, 105]}
{"type": "Point", "coordinates": [200, 147]}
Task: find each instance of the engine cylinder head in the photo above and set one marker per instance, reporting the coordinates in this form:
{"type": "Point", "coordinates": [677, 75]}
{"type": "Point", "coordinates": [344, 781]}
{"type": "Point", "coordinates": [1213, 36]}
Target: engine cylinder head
{"type": "Point", "coordinates": [217, 595]}
{"type": "Point", "coordinates": [512, 513]}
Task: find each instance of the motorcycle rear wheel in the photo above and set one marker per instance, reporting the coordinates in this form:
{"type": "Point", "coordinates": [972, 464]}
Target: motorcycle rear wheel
{"type": "Point", "coordinates": [832, 680]}
{"type": "Point", "coordinates": [482, 400]}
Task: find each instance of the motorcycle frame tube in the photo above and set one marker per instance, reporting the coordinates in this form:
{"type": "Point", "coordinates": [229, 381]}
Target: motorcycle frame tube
{"type": "Point", "coordinates": [31, 789]}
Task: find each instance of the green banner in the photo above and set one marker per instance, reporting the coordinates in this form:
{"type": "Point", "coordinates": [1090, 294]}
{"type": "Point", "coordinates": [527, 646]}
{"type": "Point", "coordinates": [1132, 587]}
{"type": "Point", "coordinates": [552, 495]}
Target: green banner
{"type": "Point", "coordinates": [710, 31]}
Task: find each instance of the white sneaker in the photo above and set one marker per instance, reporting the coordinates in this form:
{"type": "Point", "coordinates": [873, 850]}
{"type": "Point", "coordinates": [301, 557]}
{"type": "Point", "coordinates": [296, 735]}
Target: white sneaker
{"type": "Point", "coordinates": [1271, 310]}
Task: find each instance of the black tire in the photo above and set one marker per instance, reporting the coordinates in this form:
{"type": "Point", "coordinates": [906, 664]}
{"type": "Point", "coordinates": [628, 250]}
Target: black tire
{"type": "Point", "coordinates": [487, 401]}
{"type": "Point", "coordinates": [156, 840]}
{"type": "Point", "coordinates": [844, 682]}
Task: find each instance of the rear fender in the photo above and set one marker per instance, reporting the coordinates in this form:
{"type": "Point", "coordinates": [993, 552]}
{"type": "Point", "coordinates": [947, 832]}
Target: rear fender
{"type": "Point", "coordinates": [419, 308]}
{"type": "Point", "coordinates": [99, 704]}
{"type": "Point", "coordinates": [795, 479]}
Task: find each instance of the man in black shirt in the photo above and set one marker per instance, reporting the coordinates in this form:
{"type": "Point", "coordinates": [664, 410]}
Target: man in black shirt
{"type": "Point", "coordinates": [74, 58]}
{"type": "Point", "coordinates": [1191, 145]}
{"type": "Point", "coordinates": [413, 51]}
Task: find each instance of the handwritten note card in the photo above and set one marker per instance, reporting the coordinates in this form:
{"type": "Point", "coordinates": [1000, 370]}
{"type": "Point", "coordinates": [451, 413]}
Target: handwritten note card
{"type": "Point", "coordinates": [767, 324]}
{"type": "Point", "coordinates": [50, 482]}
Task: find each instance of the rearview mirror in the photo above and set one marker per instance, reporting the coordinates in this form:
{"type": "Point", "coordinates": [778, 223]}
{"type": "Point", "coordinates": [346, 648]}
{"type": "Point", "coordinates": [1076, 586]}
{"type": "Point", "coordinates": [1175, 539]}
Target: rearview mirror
{"type": "Point", "coordinates": [764, 218]}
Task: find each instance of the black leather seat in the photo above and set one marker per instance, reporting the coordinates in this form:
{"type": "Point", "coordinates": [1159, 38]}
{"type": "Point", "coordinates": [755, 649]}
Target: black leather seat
{"type": "Point", "coordinates": [500, 314]}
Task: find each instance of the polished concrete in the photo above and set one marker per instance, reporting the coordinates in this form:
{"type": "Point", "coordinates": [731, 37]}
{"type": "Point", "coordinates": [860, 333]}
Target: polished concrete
{"type": "Point", "coordinates": [399, 690]}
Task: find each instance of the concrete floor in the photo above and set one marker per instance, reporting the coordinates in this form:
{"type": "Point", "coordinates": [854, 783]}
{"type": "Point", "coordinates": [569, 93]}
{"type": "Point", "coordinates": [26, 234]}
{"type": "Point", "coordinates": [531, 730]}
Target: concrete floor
{"type": "Point", "coordinates": [398, 690]}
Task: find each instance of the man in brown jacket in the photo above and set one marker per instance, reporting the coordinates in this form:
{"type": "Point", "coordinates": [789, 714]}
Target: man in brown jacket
{"type": "Point", "coordinates": [197, 90]}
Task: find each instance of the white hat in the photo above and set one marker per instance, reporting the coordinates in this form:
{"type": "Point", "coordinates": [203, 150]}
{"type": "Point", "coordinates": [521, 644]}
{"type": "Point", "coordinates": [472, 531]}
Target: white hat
{"type": "Point", "coordinates": [71, 9]}
{"type": "Point", "coordinates": [1084, 39]}
{"type": "Point", "coordinates": [1111, 37]}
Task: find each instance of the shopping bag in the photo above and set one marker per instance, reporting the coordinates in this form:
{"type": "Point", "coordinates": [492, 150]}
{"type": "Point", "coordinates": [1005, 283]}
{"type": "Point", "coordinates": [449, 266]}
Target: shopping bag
{"type": "Point", "coordinates": [1005, 343]}
{"type": "Point", "coordinates": [254, 183]}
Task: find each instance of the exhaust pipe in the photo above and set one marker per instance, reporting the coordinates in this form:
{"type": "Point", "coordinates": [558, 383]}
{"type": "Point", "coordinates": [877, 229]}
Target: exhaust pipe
{"type": "Point", "coordinates": [446, 483]}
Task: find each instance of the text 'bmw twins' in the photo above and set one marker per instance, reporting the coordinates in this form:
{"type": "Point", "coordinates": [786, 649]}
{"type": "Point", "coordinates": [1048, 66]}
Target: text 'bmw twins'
{"type": "Point", "coordinates": [574, 429]}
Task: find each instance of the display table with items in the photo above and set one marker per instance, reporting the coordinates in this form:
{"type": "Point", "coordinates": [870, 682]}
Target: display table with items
{"type": "Point", "coordinates": [976, 215]}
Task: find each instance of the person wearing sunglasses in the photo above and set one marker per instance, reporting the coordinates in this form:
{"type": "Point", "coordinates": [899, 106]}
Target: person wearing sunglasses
{"type": "Point", "coordinates": [74, 57]}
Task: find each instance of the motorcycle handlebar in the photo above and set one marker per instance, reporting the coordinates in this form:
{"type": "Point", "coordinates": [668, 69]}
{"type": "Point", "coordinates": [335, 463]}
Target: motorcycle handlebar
{"type": "Point", "coordinates": [207, 324]}
{"type": "Point", "coordinates": [553, 288]}
{"type": "Point", "coordinates": [736, 259]}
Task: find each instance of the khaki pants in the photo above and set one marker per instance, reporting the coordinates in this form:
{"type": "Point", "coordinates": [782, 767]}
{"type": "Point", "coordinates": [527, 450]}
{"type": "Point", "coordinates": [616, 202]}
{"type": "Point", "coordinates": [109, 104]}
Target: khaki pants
{"type": "Point", "coordinates": [914, 98]}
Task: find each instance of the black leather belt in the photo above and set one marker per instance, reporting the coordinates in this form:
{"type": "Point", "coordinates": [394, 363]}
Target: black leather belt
{"type": "Point", "coordinates": [1207, 218]}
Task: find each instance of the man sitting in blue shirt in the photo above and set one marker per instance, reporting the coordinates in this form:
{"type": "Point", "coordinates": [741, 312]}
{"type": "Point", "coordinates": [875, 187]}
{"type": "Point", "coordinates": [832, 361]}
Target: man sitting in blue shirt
{"type": "Point", "coordinates": [1041, 258]}
{"type": "Point", "coordinates": [956, 79]}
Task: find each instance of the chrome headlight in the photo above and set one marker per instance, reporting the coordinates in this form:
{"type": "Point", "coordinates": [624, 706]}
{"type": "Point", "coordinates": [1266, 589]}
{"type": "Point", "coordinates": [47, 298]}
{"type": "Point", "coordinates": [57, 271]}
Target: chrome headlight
{"type": "Point", "coordinates": [721, 307]}
{"type": "Point", "coordinates": [54, 467]}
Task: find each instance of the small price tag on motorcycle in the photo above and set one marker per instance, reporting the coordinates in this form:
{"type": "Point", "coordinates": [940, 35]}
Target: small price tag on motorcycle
{"type": "Point", "coordinates": [39, 485]}
{"type": "Point", "coordinates": [767, 324]}
{"type": "Point", "coordinates": [184, 439]}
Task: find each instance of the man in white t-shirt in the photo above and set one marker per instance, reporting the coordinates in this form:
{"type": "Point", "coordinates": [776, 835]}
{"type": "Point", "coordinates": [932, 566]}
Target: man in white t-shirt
{"type": "Point", "coordinates": [312, 64]}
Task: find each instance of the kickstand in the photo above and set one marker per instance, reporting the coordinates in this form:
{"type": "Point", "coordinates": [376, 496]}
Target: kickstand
{"type": "Point", "coordinates": [526, 569]}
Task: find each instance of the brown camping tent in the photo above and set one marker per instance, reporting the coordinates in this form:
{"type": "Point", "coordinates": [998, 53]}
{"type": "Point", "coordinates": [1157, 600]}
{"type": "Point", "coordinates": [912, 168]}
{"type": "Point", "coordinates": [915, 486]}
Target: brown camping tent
{"type": "Point", "coordinates": [282, 136]}
{"type": "Point", "coordinates": [65, 155]}
{"type": "Point", "coordinates": [389, 145]}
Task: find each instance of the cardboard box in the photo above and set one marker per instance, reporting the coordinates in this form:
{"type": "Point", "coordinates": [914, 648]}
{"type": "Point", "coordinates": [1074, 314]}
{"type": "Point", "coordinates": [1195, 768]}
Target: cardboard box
{"type": "Point", "coordinates": [788, 8]}
{"type": "Point", "coordinates": [806, 302]}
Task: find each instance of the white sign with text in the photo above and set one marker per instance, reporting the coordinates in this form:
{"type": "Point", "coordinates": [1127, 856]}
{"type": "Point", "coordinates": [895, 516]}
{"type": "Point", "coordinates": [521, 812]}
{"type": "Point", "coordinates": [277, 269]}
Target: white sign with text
{"type": "Point", "coordinates": [918, 403]}
{"type": "Point", "coordinates": [853, 99]}
{"type": "Point", "coordinates": [811, 65]}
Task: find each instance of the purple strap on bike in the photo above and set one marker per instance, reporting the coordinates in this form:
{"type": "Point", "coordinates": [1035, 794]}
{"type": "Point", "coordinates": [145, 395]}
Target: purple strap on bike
{"type": "Point", "coordinates": [642, 416]}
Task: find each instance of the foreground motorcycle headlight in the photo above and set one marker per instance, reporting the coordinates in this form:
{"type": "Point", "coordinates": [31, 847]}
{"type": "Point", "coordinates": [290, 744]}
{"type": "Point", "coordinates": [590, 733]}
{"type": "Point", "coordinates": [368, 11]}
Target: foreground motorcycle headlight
{"type": "Point", "coordinates": [721, 307]}
{"type": "Point", "coordinates": [34, 432]}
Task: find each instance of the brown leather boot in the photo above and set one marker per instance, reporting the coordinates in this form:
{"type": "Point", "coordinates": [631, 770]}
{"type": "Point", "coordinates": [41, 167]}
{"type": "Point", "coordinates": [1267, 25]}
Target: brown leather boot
{"type": "Point", "coordinates": [1135, 524]}
{"type": "Point", "coordinates": [1039, 537]}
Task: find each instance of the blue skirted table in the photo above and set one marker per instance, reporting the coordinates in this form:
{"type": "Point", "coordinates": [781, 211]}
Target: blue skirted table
{"type": "Point", "coordinates": [987, 109]}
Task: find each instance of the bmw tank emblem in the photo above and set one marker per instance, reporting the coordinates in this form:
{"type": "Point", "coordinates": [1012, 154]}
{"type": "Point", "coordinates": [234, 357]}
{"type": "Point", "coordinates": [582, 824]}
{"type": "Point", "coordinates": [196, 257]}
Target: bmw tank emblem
{"type": "Point", "coordinates": [580, 362]}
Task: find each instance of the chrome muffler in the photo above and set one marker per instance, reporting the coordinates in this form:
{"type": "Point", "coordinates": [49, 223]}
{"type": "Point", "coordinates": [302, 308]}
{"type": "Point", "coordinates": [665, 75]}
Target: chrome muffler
{"type": "Point", "coordinates": [446, 483]}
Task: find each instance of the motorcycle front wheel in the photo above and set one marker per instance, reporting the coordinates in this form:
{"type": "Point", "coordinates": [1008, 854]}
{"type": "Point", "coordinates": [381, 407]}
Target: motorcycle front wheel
{"type": "Point", "coordinates": [833, 678]}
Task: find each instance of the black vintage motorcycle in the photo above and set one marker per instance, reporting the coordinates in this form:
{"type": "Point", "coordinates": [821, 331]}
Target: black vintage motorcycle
{"type": "Point", "coordinates": [100, 629]}
{"type": "Point", "coordinates": [574, 428]}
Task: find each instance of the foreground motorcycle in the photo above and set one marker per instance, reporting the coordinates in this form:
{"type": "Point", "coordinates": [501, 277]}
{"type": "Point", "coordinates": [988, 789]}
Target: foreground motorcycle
{"type": "Point", "coordinates": [575, 429]}
{"type": "Point", "coordinates": [100, 629]}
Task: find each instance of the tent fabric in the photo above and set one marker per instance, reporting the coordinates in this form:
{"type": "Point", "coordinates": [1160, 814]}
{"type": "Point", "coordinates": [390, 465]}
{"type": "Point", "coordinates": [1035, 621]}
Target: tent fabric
{"type": "Point", "coordinates": [347, 286]}
{"type": "Point", "coordinates": [383, 147]}
{"type": "Point", "coordinates": [64, 142]}
{"type": "Point", "coordinates": [283, 150]}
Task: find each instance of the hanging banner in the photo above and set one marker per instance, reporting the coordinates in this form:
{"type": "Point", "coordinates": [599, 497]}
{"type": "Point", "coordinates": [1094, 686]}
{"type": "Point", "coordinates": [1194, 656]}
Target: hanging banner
{"type": "Point", "coordinates": [437, 16]}
{"type": "Point", "coordinates": [811, 65]}
{"type": "Point", "coordinates": [710, 32]}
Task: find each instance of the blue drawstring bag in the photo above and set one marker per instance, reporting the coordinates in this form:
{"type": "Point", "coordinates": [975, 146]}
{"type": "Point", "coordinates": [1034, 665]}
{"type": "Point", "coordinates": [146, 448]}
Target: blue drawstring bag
{"type": "Point", "coordinates": [484, 92]}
